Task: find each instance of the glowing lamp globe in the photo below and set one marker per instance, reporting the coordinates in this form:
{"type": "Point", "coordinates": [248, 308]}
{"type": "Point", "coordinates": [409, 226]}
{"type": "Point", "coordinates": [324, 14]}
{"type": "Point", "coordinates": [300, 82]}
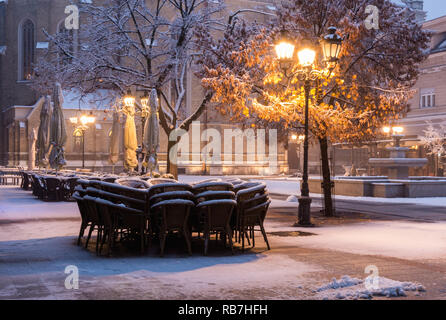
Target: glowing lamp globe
{"type": "Point", "coordinates": [284, 50]}
{"type": "Point", "coordinates": [398, 130]}
{"type": "Point", "coordinates": [129, 100]}
{"type": "Point", "coordinates": [306, 57]}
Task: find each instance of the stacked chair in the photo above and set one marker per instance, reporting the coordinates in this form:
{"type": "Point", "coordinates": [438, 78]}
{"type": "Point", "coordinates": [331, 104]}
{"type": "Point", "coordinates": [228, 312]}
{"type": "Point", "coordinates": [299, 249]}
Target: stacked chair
{"type": "Point", "coordinates": [159, 208]}
{"type": "Point", "coordinates": [170, 208]}
{"type": "Point", "coordinates": [215, 206]}
{"type": "Point", "coordinates": [252, 206]}
{"type": "Point", "coordinates": [108, 209]}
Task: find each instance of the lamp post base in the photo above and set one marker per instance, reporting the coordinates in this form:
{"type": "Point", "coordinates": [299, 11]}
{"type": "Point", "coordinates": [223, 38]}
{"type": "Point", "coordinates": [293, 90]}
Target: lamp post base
{"type": "Point", "coordinates": [304, 213]}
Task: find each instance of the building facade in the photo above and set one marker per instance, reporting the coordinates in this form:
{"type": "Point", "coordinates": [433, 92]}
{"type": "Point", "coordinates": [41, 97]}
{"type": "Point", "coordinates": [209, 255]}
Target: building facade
{"type": "Point", "coordinates": [22, 41]}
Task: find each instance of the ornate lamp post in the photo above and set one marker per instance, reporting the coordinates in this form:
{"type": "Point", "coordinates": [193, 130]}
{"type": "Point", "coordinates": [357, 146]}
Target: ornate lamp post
{"type": "Point", "coordinates": [82, 123]}
{"type": "Point", "coordinates": [308, 72]}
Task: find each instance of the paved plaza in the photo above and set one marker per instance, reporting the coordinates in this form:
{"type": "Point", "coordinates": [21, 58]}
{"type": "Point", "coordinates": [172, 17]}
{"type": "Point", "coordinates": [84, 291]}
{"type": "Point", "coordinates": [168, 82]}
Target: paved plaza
{"type": "Point", "coordinates": [37, 243]}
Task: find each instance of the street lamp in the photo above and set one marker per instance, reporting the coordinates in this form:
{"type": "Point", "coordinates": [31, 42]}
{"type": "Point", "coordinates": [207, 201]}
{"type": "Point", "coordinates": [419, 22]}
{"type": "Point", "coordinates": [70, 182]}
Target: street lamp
{"type": "Point", "coordinates": [298, 139]}
{"type": "Point", "coordinates": [307, 73]}
{"type": "Point", "coordinates": [129, 99]}
{"type": "Point", "coordinates": [82, 123]}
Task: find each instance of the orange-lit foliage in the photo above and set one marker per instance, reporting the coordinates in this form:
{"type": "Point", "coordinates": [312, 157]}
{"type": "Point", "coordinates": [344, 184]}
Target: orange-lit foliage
{"type": "Point", "coordinates": [370, 85]}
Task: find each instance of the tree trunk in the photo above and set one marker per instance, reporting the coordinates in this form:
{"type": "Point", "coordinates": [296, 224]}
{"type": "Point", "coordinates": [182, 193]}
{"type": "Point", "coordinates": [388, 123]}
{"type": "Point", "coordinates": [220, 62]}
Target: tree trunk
{"type": "Point", "coordinates": [326, 181]}
{"type": "Point", "coordinates": [172, 166]}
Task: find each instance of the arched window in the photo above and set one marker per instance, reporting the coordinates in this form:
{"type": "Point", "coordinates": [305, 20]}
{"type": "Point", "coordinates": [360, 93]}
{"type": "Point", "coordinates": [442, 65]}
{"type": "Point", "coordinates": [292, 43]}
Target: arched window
{"type": "Point", "coordinates": [27, 51]}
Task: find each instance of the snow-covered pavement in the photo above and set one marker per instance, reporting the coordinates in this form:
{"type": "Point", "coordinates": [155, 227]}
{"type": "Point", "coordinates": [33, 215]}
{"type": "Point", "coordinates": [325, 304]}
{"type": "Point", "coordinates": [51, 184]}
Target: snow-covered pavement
{"type": "Point", "coordinates": [37, 243]}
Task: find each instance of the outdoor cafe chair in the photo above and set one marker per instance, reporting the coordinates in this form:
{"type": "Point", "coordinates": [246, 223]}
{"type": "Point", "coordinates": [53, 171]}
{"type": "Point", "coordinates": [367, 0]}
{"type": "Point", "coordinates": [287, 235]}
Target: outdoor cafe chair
{"type": "Point", "coordinates": [173, 216]}
{"type": "Point", "coordinates": [197, 219]}
{"type": "Point", "coordinates": [85, 223]}
{"type": "Point", "coordinates": [95, 219]}
{"type": "Point", "coordinates": [169, 195]}
{"type": "Point", "coordinates": [41, 190]}
{"type": "Point", "coordinates": [252, 207]}
{"type": "Point", "coordinates": [141, 194]}
{"type": "Point", "coordinates": [245, 185]}
{"type": "Point", "coordinates": [133, 183]}
{"type": "Point", "coordinates": [155, 181]}
{"type": "Point", "coordinates": [216, 216]}
{"type": "Point", "coordinates": [166, 187]}
{"type": "Point", "coordinates": [206, 180]}
{"type": "Point", "coordinates": [118, 198]}
{"type": "Point", "coordinates": [118, 217]}
{"type": "Point", "coordinates": [68, 185]}
{"type": "Point", "coordinates": [212, 186]}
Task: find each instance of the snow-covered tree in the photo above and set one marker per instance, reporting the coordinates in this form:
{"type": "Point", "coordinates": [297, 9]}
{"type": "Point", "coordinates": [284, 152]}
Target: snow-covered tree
{"type": "Point", "coordinates": [140, 44]}
{"type": "Point", "coordinates": [370, 85]}
{"type": "Point", "coordinates": [434, 139]}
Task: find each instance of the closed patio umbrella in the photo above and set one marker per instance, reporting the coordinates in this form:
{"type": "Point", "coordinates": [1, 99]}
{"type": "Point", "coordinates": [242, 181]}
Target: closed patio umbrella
{"type": "Point", "coordinates": [130, 140]}
{"type": "Point", "coordinates": [42, 134]}
{"type": "Point", "coordinates": [58, 134]}
{"type": "Point", "coordinates": [151, 134]}
{"type": "Point", "coordinates": [115, 139]}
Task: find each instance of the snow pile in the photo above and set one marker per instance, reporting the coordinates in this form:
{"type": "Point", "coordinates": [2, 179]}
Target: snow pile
{"type": "Point", "coordinates": [345, 281]}
{"type": "Point", "coordinates": [354, 288]}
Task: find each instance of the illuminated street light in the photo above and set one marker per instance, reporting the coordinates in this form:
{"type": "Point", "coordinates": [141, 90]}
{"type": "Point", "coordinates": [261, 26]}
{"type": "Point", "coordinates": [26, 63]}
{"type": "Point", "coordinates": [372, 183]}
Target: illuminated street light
{"type": "Point", "coordinates": [397, 130]}
{"type": "Point", "coordinates": [284, 50]}
{"type": "Point", "coordinates": [308, 72]}
{"type": "Point", "coordinates": [83, 121]}
{"type": "Point", "coordinates": [306, 57]}
{"type": "Point", "coordinates": [129, 99]}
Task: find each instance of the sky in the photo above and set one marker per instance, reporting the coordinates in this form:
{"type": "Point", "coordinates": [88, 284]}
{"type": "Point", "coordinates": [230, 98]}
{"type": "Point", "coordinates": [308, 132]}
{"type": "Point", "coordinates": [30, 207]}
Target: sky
{"type": "Point", "coordinates": [435, 8]}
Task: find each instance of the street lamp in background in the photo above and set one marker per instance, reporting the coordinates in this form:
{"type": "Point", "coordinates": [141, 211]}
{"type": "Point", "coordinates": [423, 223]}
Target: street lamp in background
{"type": "Point", "coordinates": [298, 139]}
{"type": "Point", "coordinates": [396, 132]}
{"type": "Point", "coordinates": [308, 71]}
{"type": "Point", "coordinates": [82, 122]}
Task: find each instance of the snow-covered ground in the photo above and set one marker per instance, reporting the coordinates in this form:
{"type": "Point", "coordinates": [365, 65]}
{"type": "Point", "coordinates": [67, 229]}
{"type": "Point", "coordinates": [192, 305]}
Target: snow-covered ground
{"type": "Point", "coordinates": [354, 288]}
{"type": "Point", "coordinates": [37, 243]}
{"type": "Point", "coordinates": [404, 240]}
{"type": "Point", "coordinates": [291, 186]}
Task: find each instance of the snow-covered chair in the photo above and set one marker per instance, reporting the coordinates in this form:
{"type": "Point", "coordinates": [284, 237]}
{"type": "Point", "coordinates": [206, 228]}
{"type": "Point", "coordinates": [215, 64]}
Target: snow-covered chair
{"type": "Point", "coordinates": [117, 218]}
{"type": "Point", "coordinates": [85, 223]}
{"type": "Point", "coordinates": [133, 183]}
{"type": "Point", "coordinates": [156, 181]}
{"type": "Point", "coordinates": [252, 207]}
{"type": "Point", "coordinates": [216, 217]}
{"type": "Point", "coordinates": [141, 194]}
{"type": "Point", "coordinates": [166, 187]}
{"type": "Point", "coordinates": [173, 215]}
{"type": "Point", "coordinates": [212, 186]}
{"type": "Point", "coordinates": [206, 180]}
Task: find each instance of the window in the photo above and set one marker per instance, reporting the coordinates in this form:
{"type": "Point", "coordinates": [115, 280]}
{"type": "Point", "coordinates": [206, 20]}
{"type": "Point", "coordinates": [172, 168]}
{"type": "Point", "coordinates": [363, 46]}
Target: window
{"type": "Point", "coordinates": [26, 50]}
{"type": "Point", "coordinates": [427, 98]}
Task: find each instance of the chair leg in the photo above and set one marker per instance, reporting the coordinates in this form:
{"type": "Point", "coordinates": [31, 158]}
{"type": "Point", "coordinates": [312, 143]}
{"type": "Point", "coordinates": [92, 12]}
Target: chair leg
{"type": "Point", "coordinates": [110, 241]}
{"type": "Point", "coordinates": [247, 236]}
{"type": "Point", "coordinates": [242, 234]}
{"type": "Point", "coordinates": [206, 242]}
{"type": "Point", "coordinates": [89, 235]}
{"type": "Point", "coordinates": [99, 239]}
{"type": "Point", "coordinates": [264, 235]}
{"type": "Point", "coordinates": [229, 233]}
{"type": "Point", "coordinates": [103, 239]}
{"type": "Point", "coordinates": [81, 234]}
{"type": "Point", "coordinates": [142, 234]}
{"type": "Point", "coordinates": [253, 237]}
{"type": "Point", "coordinates": [162, 242]}
{"type": "Point", "coordinates": [187, 237]}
